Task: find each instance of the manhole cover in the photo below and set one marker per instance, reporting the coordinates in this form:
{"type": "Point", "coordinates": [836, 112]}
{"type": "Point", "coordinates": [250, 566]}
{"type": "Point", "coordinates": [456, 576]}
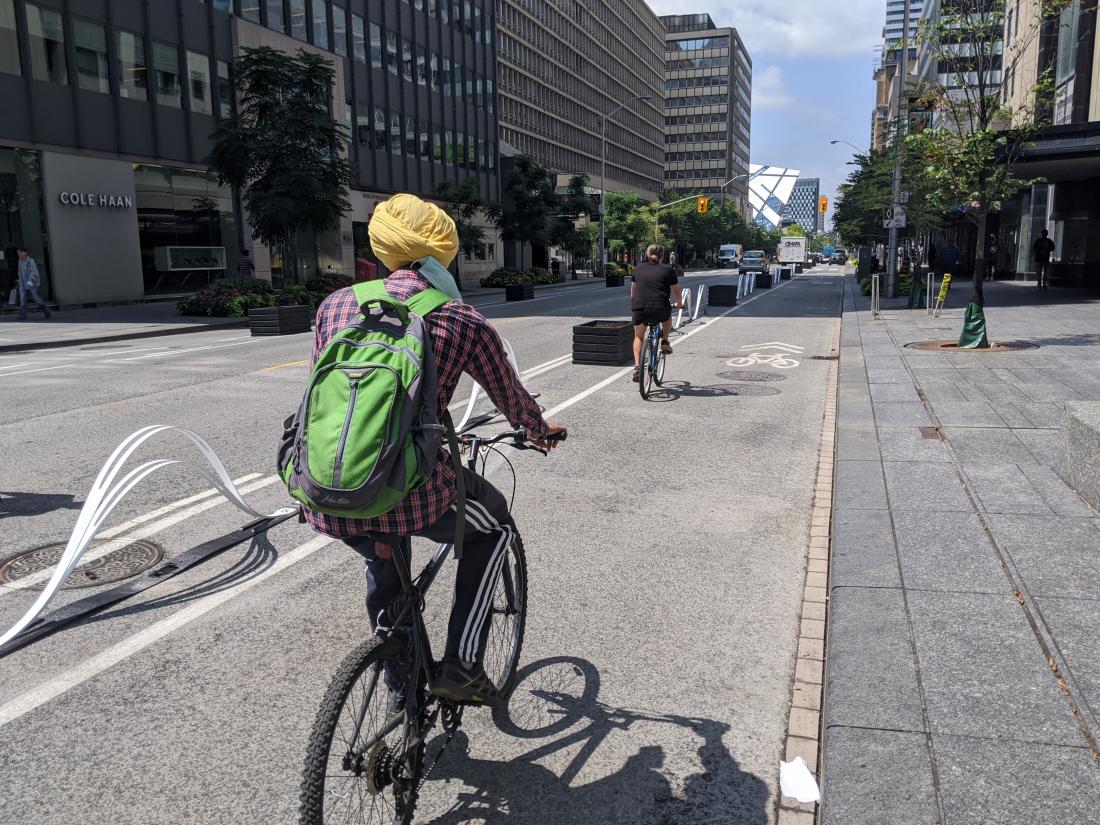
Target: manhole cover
{"type": "Point", "coordinates": [115, 565]}
{"type": "Point", "coordinates": [748, 375]}
{"type": "Point", "coordinates": [952, 345]}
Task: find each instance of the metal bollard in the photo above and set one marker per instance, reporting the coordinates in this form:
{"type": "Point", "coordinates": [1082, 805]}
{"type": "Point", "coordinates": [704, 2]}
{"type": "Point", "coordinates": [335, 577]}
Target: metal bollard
{"type": "Point", "coordinates": [875, 297]}
{"type": "Point", "coordinates": [931, 284]}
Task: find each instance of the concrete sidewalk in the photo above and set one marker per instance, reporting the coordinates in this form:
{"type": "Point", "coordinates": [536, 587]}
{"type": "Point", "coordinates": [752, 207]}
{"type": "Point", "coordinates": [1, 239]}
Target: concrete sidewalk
{"type": "Point", "coordinates": [963, 664]}
{"type": "Point", "coordinates": [114, 323]}
{"type": "Point", "coordinates": [146, 320]}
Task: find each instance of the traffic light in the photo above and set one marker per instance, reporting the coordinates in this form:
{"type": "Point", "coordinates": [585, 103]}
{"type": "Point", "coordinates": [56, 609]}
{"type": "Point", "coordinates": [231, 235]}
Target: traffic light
{"type": "Point", "coordinates": [702, 204]}
{"type": "Point", "coordinates": [823, 204]}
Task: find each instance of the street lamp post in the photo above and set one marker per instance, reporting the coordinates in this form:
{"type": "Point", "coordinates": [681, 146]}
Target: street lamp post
{"type": "Point", "coordinates": [603, 174]}
{"type": "Point", "coordinates": [861, 151]}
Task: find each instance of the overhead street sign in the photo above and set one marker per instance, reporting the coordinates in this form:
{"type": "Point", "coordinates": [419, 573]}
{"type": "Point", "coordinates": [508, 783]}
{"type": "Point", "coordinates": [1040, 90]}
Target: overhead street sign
{"type": "Point", "coordinates": [894, 218]}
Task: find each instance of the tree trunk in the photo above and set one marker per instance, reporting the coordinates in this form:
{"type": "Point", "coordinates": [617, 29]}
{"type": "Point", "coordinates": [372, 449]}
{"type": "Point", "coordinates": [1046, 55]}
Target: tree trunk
{"type": "Point", "coordinates": [979, 263]}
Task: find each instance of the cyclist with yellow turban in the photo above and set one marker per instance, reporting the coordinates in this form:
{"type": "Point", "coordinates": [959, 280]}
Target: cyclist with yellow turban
{"type": "Point", "coordinates": [417, 241]}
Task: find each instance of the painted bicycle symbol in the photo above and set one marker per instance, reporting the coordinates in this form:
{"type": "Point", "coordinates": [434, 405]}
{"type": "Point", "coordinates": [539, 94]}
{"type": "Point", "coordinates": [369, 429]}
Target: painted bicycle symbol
{"type": "Point", "coordinates": [777, 360]}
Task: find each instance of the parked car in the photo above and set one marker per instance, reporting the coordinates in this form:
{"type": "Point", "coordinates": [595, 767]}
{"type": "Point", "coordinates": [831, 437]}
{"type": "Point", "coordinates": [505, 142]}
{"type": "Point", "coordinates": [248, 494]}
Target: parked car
{"type": "Point", "coordinates": [754, 261]}
{"type": "Point", "coordinates": [839, 258]}
{"type": "Point", "coordinates": [728, 254]}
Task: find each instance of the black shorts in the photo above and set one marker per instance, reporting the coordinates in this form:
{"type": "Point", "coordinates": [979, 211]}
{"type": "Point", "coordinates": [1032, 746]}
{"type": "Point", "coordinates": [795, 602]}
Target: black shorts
{"type": "Point", "coordinates": [652, 315]}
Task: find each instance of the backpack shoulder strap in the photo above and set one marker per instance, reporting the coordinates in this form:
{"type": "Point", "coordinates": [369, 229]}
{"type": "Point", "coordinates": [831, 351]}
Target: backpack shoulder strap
{"type": "Point", "coordinates": [428, 300]}
{"type": "Point", "coordinates": [373, 293]}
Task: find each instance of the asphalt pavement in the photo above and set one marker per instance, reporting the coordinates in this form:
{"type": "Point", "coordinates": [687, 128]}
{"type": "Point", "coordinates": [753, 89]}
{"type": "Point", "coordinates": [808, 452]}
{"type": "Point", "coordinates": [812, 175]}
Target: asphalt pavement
{"type": "Point", "coordinates": [666, 543]}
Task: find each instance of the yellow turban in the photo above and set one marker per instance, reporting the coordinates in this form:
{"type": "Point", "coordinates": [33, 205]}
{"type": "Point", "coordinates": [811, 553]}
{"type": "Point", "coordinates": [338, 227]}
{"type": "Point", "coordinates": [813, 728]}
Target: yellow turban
{"type": "Point", "coordinates": [405, 229]}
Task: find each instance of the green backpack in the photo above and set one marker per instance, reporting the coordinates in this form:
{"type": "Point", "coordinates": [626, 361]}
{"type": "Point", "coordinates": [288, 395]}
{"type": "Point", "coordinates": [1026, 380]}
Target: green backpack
{"type": "Point", "coordinates": [367, 432]}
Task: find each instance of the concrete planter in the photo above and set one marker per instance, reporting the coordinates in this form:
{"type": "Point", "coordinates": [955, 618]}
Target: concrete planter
{"type": "Point", "coordinates": [608, 343]}
{"type": "Point", "coordinates": [291, 320]}
{"type": "Point", "coordinates": [613, 280]}
{"type": "Point", "coordinates": [519, 292]}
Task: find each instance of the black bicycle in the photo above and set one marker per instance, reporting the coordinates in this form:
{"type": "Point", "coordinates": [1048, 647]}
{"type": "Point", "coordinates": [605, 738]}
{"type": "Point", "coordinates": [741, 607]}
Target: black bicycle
{"type": "Point", "coordinates": [367, 758]}
{"type": "Point", "coordinates": [651, 367]}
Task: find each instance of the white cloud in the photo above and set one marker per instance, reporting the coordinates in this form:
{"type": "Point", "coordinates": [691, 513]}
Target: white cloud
{"type": "Point", "coordinates": [768, 89]}
{"type": "Point", "coordinates": [794, 28]}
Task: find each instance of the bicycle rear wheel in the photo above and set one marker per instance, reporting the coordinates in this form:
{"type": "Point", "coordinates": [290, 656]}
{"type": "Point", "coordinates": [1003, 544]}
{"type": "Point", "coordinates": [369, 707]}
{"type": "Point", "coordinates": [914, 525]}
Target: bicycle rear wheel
{"type": "Point", "coordinates": [508, 617]}
{"type": "Point", "coordinates": [645, 371]}
{"type": "Point", "coordinates": [348, 778]}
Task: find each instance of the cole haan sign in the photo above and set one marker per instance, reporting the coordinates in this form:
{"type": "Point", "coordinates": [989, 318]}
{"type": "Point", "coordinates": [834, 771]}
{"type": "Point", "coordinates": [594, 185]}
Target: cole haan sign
{"type": "Point", "coordinates": [94, 199]}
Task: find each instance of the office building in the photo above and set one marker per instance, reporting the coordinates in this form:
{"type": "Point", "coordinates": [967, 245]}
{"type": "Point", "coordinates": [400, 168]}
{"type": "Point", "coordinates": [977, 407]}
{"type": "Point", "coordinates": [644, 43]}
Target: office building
{"type": "Point", "coordinates": [108, 108]}
{"type": "Point", "coordinates": [770, 189]}
{"type": "Point", "coordinates": [1065, 155]}
{"type": "Point", "coordinates": [708, 108]}
{"type": "Point", "coordinates": [894, 27]}
{"type": "Point", "coordinates": [802, 206]}
{"type": "Point", "coordinates": [561, 67]}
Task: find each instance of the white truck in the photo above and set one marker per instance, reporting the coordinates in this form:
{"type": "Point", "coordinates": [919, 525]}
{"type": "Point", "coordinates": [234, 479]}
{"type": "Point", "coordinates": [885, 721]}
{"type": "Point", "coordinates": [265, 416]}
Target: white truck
{"type": "Point", "coordinates": [792, 250]}
{"type": "Point", "coordinates": [729, 254]}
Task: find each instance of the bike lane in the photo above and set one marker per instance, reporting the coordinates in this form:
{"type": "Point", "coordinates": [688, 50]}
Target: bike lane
{"type": "Point", "coordinates": [665, 542]}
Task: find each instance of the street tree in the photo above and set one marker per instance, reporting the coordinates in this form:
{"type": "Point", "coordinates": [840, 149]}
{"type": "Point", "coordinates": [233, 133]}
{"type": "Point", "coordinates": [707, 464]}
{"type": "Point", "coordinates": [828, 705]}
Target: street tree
{"type": "Point", "coordinates": [974, 140]}
{"type": "Point", "coordinates": [527, 203]}
{"type": "Point", "coordinates": [868, 192]}
{"type": "Point", "coordinates": [282, 150]}
{"type": "Point", "coordinates": [628, 225]}
{"type": "Point", "coordinates": [564, 230]}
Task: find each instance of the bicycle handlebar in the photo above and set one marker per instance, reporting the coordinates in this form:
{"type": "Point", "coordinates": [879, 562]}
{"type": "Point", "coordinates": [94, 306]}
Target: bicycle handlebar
{"type": "Point", "coordinates": [518, 437]}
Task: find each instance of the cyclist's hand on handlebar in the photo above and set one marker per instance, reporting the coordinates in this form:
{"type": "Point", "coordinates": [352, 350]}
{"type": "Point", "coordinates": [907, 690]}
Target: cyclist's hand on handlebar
{"type": "Point", "coordinates": [555, 434]}
{"type": "Point", "coordinates": [677, 306]}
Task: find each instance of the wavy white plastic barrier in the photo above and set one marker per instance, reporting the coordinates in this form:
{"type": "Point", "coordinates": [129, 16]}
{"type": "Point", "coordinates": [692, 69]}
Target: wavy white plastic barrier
{"type": "Point", "coordinates": [106, 494]}
{"type": "Point", "coordinates": [476, 390]}
{"type": "Point", "coordinates": [700, 302]}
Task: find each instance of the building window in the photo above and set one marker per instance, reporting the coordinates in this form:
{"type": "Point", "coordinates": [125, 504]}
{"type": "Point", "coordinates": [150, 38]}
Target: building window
{"type": "Point", "coordinates": [364, 133]}
{"type": "Point", "coordinates": [407, 59]}
{"type": "Point", "coordinates": [434, 69]}
{"type": "Point", "coordinates": [275, 18]}
{"type": "Point", "coordinates": [298, 19]}
{"type": "Point", "coordinates": [340, 30]}
{"type": "Point", "coordinates": [320, 23]}
{"type": "Point", "coordinates": [47, 39]}
{"type": "Point", "coordinates": [358, 39]}
{"type": "Point", "coordinates": [421, 66]}
{"type": "Point", "coordinates": [250, 10]}
{"type": "Point", "coordinates": [460, 80]}
{"type": "Point", "coordinates": [445, 11]}
{"type": "Point", "coordinates": [410, 136]}
{"type": "Point", "coordinates": [447, 80]}
{"type": "Point", "coordinates": [222, 5]}
{"type": "Point", "coordinates": [225, 91]}
{"type": "Point", "coordinates": [395, 133]}
{"type": "Point", "coordinates": [379, 128]}
{"type": "Point", "coordinates": [90, 42]}
{"type": "Point", "coordinates": [391, 52]}
{"type": "Point", "coordinates": [375, 45]}
{"type": "Point", "coordinates": [198, 83]}
{"type": "Point", "coordinates": [133, 75]}
{"type": "Point", "coordinates": [166, 69]}
{"type": "Point", "coordinates": [9, 39]}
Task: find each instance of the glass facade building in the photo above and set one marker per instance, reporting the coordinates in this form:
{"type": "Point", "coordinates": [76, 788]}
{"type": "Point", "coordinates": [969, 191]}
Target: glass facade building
{"type": "Point", "coordinates": [119, 98]}
{"type": "Point", "coordinates": [708, 107]}
{"type": "Point", "coordinates": [802, 206]}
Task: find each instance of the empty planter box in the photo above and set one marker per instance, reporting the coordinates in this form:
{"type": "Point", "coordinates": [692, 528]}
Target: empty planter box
{"type": "Point", "coordinates": [722, 295]}
{"type": "Point", "coordinates": [608, 343]}
{"type": "Point", "coordinates": [519, 292]}
{"type": "Point", "coordinates": [290, 320]}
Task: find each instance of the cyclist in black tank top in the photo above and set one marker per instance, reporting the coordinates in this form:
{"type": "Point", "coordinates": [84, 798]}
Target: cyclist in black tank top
{"type": "Point", "coordinates": [652, 287]}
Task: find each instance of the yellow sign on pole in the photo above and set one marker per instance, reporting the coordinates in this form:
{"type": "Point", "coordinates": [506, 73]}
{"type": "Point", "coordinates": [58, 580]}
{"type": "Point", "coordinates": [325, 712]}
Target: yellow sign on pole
{"type": "Point", "coordinates": [944, 287]}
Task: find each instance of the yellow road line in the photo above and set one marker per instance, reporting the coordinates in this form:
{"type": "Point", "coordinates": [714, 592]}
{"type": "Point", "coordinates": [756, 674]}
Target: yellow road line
{"type": "Point", "coordinates": [301, 363]}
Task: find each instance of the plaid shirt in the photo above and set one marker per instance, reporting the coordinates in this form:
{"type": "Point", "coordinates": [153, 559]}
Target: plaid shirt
{"type": "Point", "coordinates": [463, 341]}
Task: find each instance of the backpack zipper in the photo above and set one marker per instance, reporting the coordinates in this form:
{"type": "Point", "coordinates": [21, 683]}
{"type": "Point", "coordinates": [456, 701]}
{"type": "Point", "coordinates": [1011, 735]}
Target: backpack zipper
{"type": "Point", "coordinates": [338, 465]}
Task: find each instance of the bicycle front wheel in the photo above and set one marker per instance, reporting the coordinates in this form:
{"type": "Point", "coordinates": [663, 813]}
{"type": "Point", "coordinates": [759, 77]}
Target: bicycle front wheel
{"type": "Point", "coordinates": [660, 376]}
{"type": "Point", "coordinates": [508, 617]}
{"type": "Point", "coordinates": [645, 370]}
{"type": "Point", "coordinates": [358, 769]}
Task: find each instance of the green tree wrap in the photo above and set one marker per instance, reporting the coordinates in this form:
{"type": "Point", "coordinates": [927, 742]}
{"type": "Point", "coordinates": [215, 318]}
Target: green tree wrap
{"type": "Point", "coordinates": [974, 333]}
{"type": "Point", "coordinates": [917, 293]}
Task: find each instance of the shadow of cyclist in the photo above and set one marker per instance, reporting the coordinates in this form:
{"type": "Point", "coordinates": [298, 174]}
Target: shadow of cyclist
{"type": "Point", "coordinates": [642, 791]}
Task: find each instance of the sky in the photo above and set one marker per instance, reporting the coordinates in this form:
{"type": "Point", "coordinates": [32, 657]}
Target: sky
{"type": "Point", "coordinates": [812, 62]}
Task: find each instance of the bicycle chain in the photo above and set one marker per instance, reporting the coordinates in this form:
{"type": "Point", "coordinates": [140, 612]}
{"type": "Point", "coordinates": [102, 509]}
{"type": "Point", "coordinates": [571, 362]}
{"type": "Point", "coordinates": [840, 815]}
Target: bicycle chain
{"type": "Point", "coordinates": [452, 728]}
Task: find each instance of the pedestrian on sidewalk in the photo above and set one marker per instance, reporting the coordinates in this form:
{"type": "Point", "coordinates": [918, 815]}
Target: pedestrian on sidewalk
{"type": "Point", "coordinates": [1043, 247]}
{"type": "Point", "coordinates": [245, 267]}
{"type": "Point", "coordinates": [29, 281]}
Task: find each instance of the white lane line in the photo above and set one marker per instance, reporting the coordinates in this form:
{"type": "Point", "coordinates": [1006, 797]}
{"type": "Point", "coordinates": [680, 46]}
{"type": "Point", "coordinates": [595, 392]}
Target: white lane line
{"type": "Point", "coordinates": [52, 688]}
{"type": "Point", "coordinates": [113, 544]}
{"type": "Point", "coordinates": [14, 366]}
{"type": "Point", "coordinates": [179, 352]}
{"type": "Point", "coordinates": [236, 338]}
{"type": "Point", "coordinates": [40, 369]}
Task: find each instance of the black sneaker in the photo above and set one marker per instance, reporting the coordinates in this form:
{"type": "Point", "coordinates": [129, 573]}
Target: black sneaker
{"type": "Point", "coordinates": [666, 348]}
{"type": "Point", "coordinates": [457, 684]}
